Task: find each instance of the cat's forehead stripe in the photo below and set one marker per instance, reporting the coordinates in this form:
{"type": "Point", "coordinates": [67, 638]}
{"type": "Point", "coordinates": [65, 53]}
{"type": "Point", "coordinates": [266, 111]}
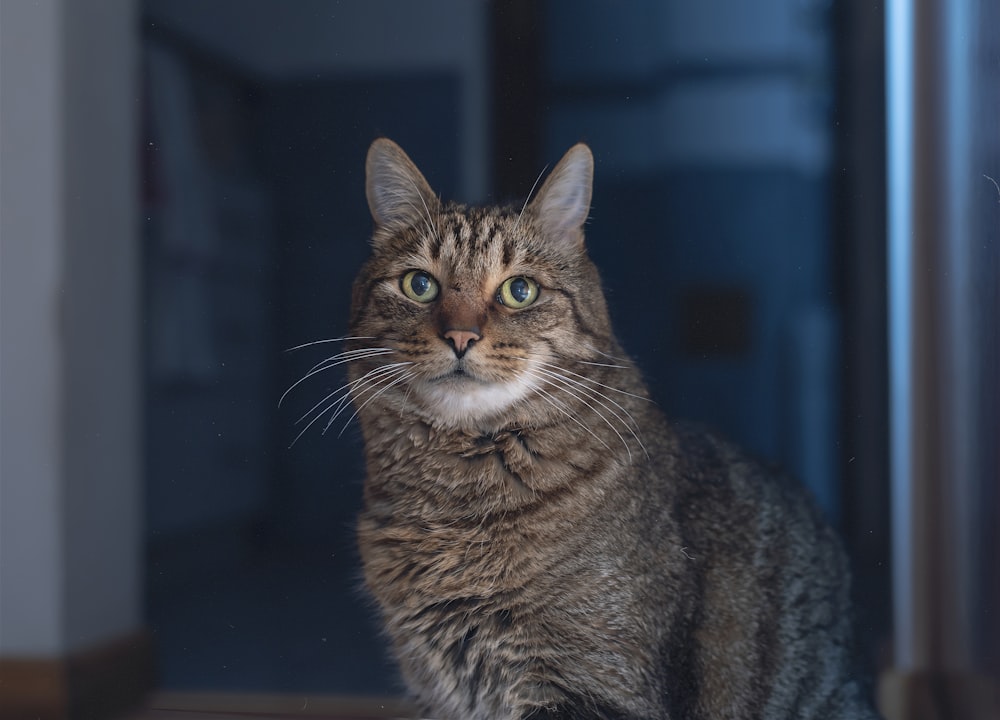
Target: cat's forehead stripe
{"type": "Point", "coordinates": [471, 237]}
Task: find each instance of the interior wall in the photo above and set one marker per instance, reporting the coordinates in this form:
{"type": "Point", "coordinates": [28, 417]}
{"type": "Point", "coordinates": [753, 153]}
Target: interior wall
{"type": "Point", "coordinates": [376, 37]}
{"type": "Point", "coordinates": [31, 550]}
{"type": "Point", "coordinates": [70, 575]}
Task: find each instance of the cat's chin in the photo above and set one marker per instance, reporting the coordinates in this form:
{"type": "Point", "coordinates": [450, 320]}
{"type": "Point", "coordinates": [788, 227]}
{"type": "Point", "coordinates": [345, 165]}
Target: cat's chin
{"type": "Point", "coordinates": [459, 399]}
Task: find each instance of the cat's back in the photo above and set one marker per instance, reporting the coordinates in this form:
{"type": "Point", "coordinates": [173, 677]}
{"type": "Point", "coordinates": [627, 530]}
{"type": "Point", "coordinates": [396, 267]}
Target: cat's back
{"type": "Point", "coordinates": [772, 623]}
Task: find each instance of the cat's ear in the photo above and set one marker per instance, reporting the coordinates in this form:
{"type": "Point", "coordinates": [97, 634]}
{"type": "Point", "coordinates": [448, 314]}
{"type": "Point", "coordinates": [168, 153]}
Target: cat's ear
{"type": "Point", "coordinates": [563, 203]}
{"type": "Point", "coordinates": [398, 194]}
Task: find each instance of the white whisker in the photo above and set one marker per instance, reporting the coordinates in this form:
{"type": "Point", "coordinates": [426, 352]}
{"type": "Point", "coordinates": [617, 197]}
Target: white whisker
{"type": "Point", "coordinates": [333, 361]}
{"type": "Point", "coordinates": [328, 340]}
{"type": "Point", "coordinates": [569, 390]}
{"type": "Point", "coordinates": [607, 365]}
{"type": "Point", "coordinates": [405, 377]}
{"type": "Point", "coordinates": [592, 393]}
{"type": "Point", "coordinates": [595, 382]}
{"type": "Point", "coordinates": [373, 374]}
{"type": "Point", "coordinates": [604, 354]}
{"type": "Point", "coordinates": [582, 392]}
{"type": "Point", "coordinates": [338, 404]}
{"type": "Point", "coordinates": [563, 408]}
{"type": "Point", "coordinates": [528, 199]}
{"type": "Point", "coordinates": [348, 356]}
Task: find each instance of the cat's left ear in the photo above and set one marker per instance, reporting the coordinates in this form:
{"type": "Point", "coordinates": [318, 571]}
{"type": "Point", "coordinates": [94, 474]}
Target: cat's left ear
{"type": "Point", "coordinates": [563, 203]}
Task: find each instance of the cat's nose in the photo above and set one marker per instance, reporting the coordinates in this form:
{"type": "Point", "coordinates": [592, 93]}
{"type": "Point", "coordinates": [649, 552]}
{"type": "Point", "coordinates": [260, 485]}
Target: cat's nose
{"type": "Point", "coordinates": [461, 340]}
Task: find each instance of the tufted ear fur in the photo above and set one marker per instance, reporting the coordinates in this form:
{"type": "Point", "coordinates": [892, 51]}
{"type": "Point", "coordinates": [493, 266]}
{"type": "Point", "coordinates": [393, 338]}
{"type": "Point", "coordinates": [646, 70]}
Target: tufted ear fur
{"type": "Point", "coordinates": [398, 195]}
{"type": "Point", "coordinates": [562, 205]}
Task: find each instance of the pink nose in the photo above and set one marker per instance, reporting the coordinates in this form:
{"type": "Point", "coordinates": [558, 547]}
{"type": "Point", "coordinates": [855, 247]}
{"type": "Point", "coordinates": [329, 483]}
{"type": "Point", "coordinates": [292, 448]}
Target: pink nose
{"type": "Point", "coordinates": [461, 340]}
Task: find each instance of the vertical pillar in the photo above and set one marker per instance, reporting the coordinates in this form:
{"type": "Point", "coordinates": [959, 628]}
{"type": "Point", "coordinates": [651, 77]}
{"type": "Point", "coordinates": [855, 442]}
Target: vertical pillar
{"type": "Point", "coordinates": [938, 338]}
{"type": "Point", "coordinates": [71, 638]}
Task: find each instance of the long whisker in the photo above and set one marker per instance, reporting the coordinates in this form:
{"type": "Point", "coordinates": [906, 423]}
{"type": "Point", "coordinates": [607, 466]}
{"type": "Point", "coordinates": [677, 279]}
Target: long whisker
{"type": "Point", "coordinates": [328, 340]}
{"type": "Point", "coordinates": [395, 376]}
{"type": "Point", "coordinates": [344, 402]}
{"type": "Point", "coordinates": [569, 390]}
{"type": "Point", "coordinates": [358, 390]}
{"type": "Point", "coordinates": [597, 395]}
{"type": "Point", "coordinates": [582, 392]}
{"type": "Point", "coordinates": [604, 354]}
{"type": "Point", "coordinates": [349, 355]}
{"type": "Point", "coordinates": [564, 409]}
{"type": "Point", "coordinates": [405, 377]}
{"type": "Point", "coordinates": [375, 376]}
{"type": "Point", "coordinates": [573, 392]}
{"type": "Point", "coordinates": [607, 365]}
{"type": "Point", "coordinates": [527, 199]}
{"type": "Point", "coordinates": [347, 387]}
{"type": "Point", "coordinates": [595, 382]}
{"type": "Point", "coordinates": [333, 361]}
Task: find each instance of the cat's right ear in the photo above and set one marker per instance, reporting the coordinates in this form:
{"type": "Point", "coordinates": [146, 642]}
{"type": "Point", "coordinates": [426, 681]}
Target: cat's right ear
{"type": "Point", "coordinates": [563, 203]}
{"type": "Point", "coordinates": [398, 195]}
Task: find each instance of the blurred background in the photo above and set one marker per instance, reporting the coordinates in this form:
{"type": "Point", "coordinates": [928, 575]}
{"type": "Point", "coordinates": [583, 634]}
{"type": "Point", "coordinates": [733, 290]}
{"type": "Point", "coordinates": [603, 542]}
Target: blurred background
{"type": "Point", "coordinates": [183, 201]}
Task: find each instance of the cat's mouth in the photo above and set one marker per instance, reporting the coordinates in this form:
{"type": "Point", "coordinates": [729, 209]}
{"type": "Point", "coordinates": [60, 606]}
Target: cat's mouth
{"type": "Point", "coordinates": [459, 395]}
{"type": "Point", "coordinates": [459, 373]}
{"type": "Point", "coordinates": [462, 377]}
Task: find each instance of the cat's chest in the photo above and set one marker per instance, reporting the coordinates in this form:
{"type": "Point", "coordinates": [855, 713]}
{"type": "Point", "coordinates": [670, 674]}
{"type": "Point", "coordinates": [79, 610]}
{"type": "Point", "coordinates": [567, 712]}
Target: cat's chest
{"type": "Point", "coordinates": [432, 471]}
{"type": "Point", "coordinates": [466, 514]}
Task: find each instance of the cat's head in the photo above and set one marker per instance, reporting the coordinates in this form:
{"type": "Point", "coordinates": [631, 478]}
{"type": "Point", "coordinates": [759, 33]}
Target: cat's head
{"type": "Point", "coordinates": [476, 307]}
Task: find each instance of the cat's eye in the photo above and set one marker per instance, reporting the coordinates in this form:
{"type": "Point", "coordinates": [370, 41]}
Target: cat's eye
{"type": "Point", "coordinates": [420, 286]}
{"type": "Point", "coordinates": [518, 292]}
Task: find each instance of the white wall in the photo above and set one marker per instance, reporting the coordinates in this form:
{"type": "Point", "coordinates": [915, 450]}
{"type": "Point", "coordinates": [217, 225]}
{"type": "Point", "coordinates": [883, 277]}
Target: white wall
{"type": "Point", "coordinates": [31, 581]}
{"type": "Point", "coordinates": [70, 472]}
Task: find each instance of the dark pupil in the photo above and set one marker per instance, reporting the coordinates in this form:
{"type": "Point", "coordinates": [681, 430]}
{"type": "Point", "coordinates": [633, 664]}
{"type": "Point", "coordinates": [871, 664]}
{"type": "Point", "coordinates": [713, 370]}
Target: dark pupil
{"type": "Point", "coordinates": [420, 284]}
{"type": "Point", "coordinates": [520, 290]}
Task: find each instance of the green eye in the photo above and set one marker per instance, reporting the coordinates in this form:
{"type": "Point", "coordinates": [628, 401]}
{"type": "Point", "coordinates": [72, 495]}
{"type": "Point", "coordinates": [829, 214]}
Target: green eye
{"type": "Point", "coordinates": [420, 286]}
{"type": "Point", "coordinates": [518, 292]}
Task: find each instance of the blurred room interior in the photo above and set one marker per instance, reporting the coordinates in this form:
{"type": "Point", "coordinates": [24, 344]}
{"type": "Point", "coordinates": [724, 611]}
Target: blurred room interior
{"type": "Point", "coordinates": [797, 223]}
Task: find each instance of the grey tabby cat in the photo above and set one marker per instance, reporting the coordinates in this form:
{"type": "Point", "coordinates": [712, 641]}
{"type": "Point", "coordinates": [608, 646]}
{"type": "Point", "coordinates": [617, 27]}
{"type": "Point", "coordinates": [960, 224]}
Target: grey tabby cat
{"type": "Point", "coordinates": [540, 542]}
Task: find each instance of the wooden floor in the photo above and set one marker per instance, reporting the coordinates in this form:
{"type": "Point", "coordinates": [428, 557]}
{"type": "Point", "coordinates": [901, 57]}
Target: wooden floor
{"type": "Point", "coordinates": [214, 706]}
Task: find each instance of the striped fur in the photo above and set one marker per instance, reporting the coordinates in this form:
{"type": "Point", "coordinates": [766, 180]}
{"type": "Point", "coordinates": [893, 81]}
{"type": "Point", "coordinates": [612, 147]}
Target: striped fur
{"type": "Point", "coordinates": [540, 542]}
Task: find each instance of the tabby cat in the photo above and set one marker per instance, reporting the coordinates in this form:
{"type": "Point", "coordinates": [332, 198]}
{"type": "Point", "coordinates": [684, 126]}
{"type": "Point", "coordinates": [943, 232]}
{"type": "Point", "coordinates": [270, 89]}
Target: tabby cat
{"type": "Point", "coordinates": [541, 543]}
